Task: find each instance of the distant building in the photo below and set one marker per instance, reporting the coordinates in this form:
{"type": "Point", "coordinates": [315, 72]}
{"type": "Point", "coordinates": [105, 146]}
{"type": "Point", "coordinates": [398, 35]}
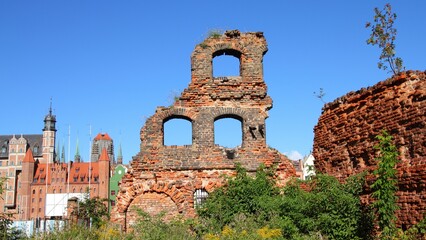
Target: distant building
{"type": "Point", "coordinates": [39, 182]}
{"type": "Point", "coordinates": [101, 141]}
{"type": "Point", "coordinates": [304, 167]}
{"type": "Point", "coordinates": [114, 181]}
{"type": "Point", "coordinates": [308, 166]}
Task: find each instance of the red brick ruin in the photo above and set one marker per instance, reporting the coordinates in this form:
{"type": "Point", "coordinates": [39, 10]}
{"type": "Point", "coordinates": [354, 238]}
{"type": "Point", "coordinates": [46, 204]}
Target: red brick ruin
{"type": "Point", "coordinates": [175, 178]}
{"type": "Point", "coordinates": [346, 130]}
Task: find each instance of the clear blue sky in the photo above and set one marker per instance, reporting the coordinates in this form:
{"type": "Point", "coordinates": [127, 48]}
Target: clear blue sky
{"type": "Point", "coordinates": [109, 64]}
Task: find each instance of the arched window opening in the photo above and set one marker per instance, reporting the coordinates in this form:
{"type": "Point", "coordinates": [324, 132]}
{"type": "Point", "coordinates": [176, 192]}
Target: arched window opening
{"type": "Point", "coordinates": [200, 196]}
{"type": "Point", "coordinates": [226, 63]}
{"type": "Point", "coordinates": [177, 131]}
{"type": "Point", "coordinates": [228, 131]}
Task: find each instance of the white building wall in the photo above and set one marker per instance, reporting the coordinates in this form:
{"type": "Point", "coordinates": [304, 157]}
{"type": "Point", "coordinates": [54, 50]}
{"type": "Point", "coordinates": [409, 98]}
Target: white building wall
{"type": "Point", "coordinates": [56, 204]}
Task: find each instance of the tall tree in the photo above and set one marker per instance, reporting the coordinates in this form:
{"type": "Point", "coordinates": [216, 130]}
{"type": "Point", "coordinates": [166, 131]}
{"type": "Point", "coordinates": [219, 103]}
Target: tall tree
{"type": "Point", "coordinates": [383, 34]}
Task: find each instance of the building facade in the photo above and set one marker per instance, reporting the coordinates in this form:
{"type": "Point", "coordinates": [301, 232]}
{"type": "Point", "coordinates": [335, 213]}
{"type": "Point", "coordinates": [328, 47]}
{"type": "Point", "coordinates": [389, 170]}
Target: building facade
{"type": "Point", "coordinates": [38, 185]}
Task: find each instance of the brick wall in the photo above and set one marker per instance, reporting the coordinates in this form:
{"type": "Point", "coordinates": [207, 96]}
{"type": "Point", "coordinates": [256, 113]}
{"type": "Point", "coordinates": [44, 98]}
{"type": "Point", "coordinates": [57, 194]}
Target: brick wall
{"type": "Point", "coordinates": [346, 130]}
{"type": "Point", "coordinates": [176, 172]}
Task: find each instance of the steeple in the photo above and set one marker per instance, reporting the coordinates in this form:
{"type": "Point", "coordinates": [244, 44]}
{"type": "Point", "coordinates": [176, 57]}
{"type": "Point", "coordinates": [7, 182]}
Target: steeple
{"type": "Point", "coordinates": [120, 155]}
{"type": "Point", "coordinates": [63, 154]}
{"type": "Point", "coordinates": [49, 137]}
{"type": "Point", "coordinates": [49, 120]}
{"type": "Point", "coordinates": [58, 153]}
{"type": "Point", "coordinates": [77, 157]}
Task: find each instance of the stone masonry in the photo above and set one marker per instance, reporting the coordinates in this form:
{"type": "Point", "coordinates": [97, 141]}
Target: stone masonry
{"type": "Point", "coordinates": [166, 178]}
{"type": "Point", "coordinates": [346, 130]}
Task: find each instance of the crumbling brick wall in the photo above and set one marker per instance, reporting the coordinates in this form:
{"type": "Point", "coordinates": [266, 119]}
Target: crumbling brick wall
{"type": "Point", "coordinates": [346, 130]}
{"type": "Point", "coordinates": [172, 174]}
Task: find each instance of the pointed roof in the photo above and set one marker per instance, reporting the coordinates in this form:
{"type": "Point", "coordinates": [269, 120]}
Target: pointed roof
{"type": "Point", "coordinates": [103, 136]}
{"type": "Point", "coordinates": [120, 152]}
{"type": "Point", "coordinates": [29, 156]}
{"type": "Point", "coordinates": [77, 151]}
{"type": "Point", "coordinates": [63, 154]}
{"type": "Point", "coordinates": [104, 155]}
{"type": "Point", "coordinates": [58, 152]}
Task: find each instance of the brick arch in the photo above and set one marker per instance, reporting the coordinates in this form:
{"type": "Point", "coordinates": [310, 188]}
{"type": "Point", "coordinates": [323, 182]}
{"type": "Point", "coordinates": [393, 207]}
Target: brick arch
{"type": "Point", "coordinates": [231, 44]}
{"type": "Point", "coordinates": [176, 112]}
{"type": "Point", "coordinates": [154, 135]}
{"type": "Point", "coordinates": [138, 189]}
{"type": "Point", "coordinates": [237, 113]}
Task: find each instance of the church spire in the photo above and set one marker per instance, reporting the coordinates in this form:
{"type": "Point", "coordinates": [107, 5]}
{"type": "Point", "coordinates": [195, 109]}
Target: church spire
{"type": "Point", "coordinates": [77, 157]}
{"type": "Point", "coordinates": [57, 153]}
{"type": "Point", "coordinates": [120, 155]}
{"type": "Point", "coordinates": [63, 154]}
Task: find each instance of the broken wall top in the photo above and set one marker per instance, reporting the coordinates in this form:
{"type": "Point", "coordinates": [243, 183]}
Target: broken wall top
{"type": "Point", "coordinates": [248, 88]}
{"type": "Point", "coordinates": [207, 99]}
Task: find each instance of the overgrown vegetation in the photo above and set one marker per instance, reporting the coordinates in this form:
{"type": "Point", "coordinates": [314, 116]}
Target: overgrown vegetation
{"type": "Point", "coordinates": [253, 207]}
{"type": "Point", "coordinates": [215, 33]}
{"type": "Point", "coordinates": [386, 185]}
{"type": "Point", "coordinates": [320, 95]}
{"type": "Point", "coordinates": [6, 232]}
{"type": "Point", "coordinates": [92, 211]}
{"type": "Point", "coordinates": [383, 34]}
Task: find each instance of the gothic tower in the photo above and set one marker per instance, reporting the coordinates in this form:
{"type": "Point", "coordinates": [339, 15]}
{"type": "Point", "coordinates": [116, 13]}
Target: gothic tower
{"type": "Point", "coordinates": [49, 137]}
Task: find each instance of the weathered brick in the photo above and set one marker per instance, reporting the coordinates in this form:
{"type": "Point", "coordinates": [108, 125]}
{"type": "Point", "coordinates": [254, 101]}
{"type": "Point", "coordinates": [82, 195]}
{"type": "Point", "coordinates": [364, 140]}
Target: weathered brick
{"type": "Point", "coordinates": [345, 137]}
{"type": "Point", "coordinates": [176, 172]}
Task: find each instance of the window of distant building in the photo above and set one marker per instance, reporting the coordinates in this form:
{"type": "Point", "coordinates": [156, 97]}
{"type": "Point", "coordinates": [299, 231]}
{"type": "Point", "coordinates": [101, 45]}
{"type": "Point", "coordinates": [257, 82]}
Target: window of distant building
{"type": "Point", "coordinates": [60, 190]}
{"type": "Point", "coordinates": [54, 190]}
{"type": "Point", "coordinates": [112, 203]}
{"type": "Point", "coordinates": [33, 191]}
{"type": "Point", "coordinates": [42, 180]}
{"type": "Point", "coordinates": [75, 179]}
{"type": "Point", "coordinates": [39, 209]}
{"type": "Point", "coordinates": [96, 179]}
{"type": "Point", "coordinates": [39, 200]}
{"type": "Point", "coordinates": [20, 150]}
{"type": "Point", "coordinates": [32, 210]}
{"type": "Point", "coordinates": [3, 149]}
{"type": "Point", "coordinates": [200, 196]}
{"type": "Point", "coordinates": [41, 190]}
{"type": "Point", "coordinates": [32, 200]}
{"type": "Point", "coordinates": [73, 190]}
{"type": "Point", "coordinates": [34, 181]}
{"type": "Point", "coordinates": [82, 179]}
{"type": "Point", "coordinates": [35, 149]}
{"type": "Point", "coordinates": [112, 192]}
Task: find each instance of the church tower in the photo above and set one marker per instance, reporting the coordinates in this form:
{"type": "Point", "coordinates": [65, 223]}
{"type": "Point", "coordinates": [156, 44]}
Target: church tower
{"type": "Point", "coordinates": [49, 137]}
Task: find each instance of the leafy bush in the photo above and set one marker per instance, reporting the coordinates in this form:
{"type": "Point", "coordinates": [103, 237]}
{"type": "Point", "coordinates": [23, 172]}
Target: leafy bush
{"type": "Point", "coordinates": [328, 207]}
{"type": "Point", "coordinates": [149, 227]}
{"type": "Point", "coordinates": [321, 206]}
{"type": "Point", "coordinates": [241, 195]}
